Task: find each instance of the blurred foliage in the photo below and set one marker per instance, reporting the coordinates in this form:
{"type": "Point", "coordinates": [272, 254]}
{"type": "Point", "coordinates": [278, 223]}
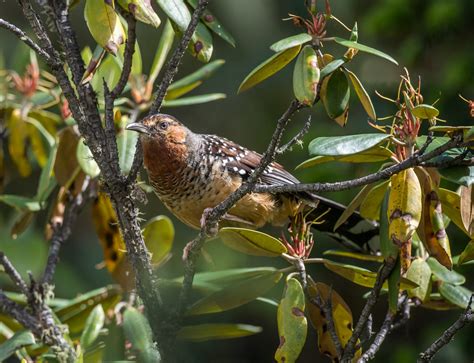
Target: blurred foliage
{"type": "Point", "coordinates": [429, 37]}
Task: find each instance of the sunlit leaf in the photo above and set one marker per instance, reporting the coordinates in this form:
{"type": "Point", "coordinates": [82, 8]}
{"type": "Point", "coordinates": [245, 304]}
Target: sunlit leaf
{"type": "Point", "coordinates": [200, 45]}
{"type": "Point", "coordinates": [164, 46]}
{"type": "Point", "coordinates": [292, 324]}
{"type": "Point", "coordinates": [104, 24]}
{"type": "Point", "coordinates": [345, 145]}
{"type": "Point", "coordinates": [424, 111]}
{"type": "Point", "coordinates": [194, 100]}
{"type": "Point", "coordinates": [17, 142]}
{"type": "Point", "coordinates": [20, 202]}
{"type": "Point", "coordinates": [404, 205]}
{"type": "Point", "coordinates": [291, 42]}
{"type": "Point", "coordinates": [126, 142]}
{"type": "Point", "coordinates": [138, 332]}
{"type": "Point", "coordinates": [364, 48]}
{"type": "Point", "coordinates": [441, 273]}
{"type": "Point", "coordinates": [451, 203]}
{"type": "Point", "coordinates": [141, 10]}
{"type": "Point", "coordinates": [235, 295]}
{"type": "Point", "coordinates": [331, 67]}
{"type": "Point", "coordinates": [252, 242]}
{"type": "Point", "coordinates": [341, 316]}
{"type": "Point", "coordinates": [420, 273]}
{"type": "Point", "coordinates": [306, 76]}
{"type": "Point", "coordinates": [19, 340]}
{"type": "Point", "coordinates": [354, 255]}
{"type": "Point", "coordinates": [370, 207]}
{"type": "Point", "coordinates": [86, 160]}
{"type": "Point", "coordinates": [94, 324]}
{"type": "Point", "coordinates": [222, 278]}
{"type": "Point", "coordinates": [467, 208]}
{"type": "Point", "coordinates": [269, 67]}
{"type": "Point", "coordinates": [458, 295]}
{"type": "Point", "coordinates": [362, 94]}
{"type": "Point", "coordinates": [158, 234]}
{"type": "Point", "coordinates": [177, 11]}
{"type": "Point", "coordinates": [205, 332]}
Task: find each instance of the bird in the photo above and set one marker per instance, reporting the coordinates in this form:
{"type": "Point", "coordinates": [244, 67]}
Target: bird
{"type": "Point", "coordinates": [191, 173]}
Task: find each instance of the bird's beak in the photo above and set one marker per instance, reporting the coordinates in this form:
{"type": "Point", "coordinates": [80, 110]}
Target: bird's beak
{"type": "Point", "coordinates": [138, 127]}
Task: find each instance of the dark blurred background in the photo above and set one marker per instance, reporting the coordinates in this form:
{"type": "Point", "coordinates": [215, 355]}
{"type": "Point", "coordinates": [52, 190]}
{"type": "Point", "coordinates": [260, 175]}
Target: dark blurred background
{"type": "Point", "coordinates": [432, 39]}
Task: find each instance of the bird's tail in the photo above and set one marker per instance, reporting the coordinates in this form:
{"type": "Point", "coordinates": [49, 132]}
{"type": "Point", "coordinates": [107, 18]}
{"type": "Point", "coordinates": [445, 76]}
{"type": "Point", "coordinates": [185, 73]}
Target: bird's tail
{"type": "Point", "coordinates": [356, 233]}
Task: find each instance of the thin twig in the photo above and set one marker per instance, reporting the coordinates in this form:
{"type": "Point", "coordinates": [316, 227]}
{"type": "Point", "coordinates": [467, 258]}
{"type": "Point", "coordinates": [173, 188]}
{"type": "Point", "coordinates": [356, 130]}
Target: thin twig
{"type": "Point", "coordinates": [297, 138]}
{"type": "Point", "coordinates": [13, 274]}
{"type": "Point", "coordinates": [25, 39]}
{"type": "Point", "coordinates": [379, 338]}
{"type": "Point", "coordinates": [193, 248]}
{"type": "Point", "coordinates": [382, 275]}
{"type": "Point", "coordinates": [386, 173]}
{"type": "Point", "coordinates": [466, 317]}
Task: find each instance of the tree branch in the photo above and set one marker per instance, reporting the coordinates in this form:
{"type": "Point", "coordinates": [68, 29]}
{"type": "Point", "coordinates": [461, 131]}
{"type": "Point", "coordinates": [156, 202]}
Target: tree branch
{"type": "Point", "coordinates": [379, 338]}
{"type": "Point", "coordinates": [466, 317]}
{"type": "Point", "coordinates": [14, 275]}
{"type": "Point", "coordinates": [384, 272]}
{"type": "Point", "coordinates": [297, 139]}
{"type": "Point", "coordinates": [386, 173]}
{"type": "Point", "coordinates": [25, 39]}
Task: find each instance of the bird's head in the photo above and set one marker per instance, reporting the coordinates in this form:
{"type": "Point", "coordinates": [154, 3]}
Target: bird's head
{"type": "Point", "coordinates": [160, 128]}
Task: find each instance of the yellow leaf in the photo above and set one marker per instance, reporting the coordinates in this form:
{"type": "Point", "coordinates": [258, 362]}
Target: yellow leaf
{"type": "Point", "coordinates": [370, 207]}
{"type": "Point", "coordinates": [17, 142]}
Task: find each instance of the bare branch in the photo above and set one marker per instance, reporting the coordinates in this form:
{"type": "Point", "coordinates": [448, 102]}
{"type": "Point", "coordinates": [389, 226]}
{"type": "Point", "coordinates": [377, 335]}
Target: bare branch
{"type": "Point", "coordinates": [25, 39]}
{"type": "Point", "coordinates": [17, 312]}
{"type": "Point", "coordinates": [386, 173]}
{"type": "Point", "coordinates": [297, 138]}
{"type": "Point", "coordinates": [466, 317]}
{"type": "Point", "coordinates": [379, 338]}
{"type": "Point", "coordinates": [172, 66]}
{"type": "Point", "coordinates": [382, 275]}
{"type": "Point", "coordinates": [13, 274]}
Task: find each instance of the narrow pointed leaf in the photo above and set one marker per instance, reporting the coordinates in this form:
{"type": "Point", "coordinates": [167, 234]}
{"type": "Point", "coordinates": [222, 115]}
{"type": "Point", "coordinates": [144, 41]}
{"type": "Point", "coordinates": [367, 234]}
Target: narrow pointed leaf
{"type": "Point", "coordinates": [364, 97]}
{"type": "Point", "coordinates": [292, 324]}
{"type": "Point", "coordinates": [252, 242]}
{"type": "Point", "coordinates": [468, 253]}
{"type": "Point", "coordinates": [370, 207]}
{"type": "Point", "coordinates": [353, 205]}
{"type": "Point", "coordinates": [269, 67]}
{"type": "Point", "coordinates": [420, 273]}
{"type": "Point", "coordinates": [194, 100]}
{"type": "Point", "coordinates": [394, 287]}
{"type": "Point", "coordinates": [164, 47]}
{"type": "Point", "coordinates": [441, 273]}
{"type": "Point", "coordinates": [20, 202]}
{"type": "Point", "coordinates": [331, 67]}
{"type": "Point", "coordinates": [235, 295]}
{"type": "Point", "coordinates": [19, 340]}
{"type": "Point", "coordinates": [389, 249]}
{"type": "Point", "coordinates": [206, 332]}
{"type": "Point", "coordinates": [354, 255]}
{"type": "Point", "coordinates": [94, 324]}
{"type": "Point", "coordinates": [291, 42]}
{"type": "Point", "coordinates": [86, 160]}
{"type": "Point", "coordinates": [364, 48]}
{"type": "Point", "coordinates": [458, 295]}
{"type": "Point", "coordinates": [126, 142]}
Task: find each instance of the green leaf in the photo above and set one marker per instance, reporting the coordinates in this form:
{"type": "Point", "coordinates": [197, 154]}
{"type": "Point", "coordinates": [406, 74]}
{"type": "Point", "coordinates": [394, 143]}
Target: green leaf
{"type": "Point", "coordinates": [306, 76]}
{"type": "Point", "coordinates": [252, 242]}
{"type": "Point", "coordinates": [109, 70]}
{"type": "Point", "coordinates": [462, 175]}
{"type": "Point", "coordinates": [394, 287]}
{"type": "Point", "coordinates": [86, 160]}
{"type": "Point", "coordinates": [205, 332]}
{"type": "Point", "coordinates": [214, 24]}
{"type": "Point", "coordinates": [164, 47]}
{"type": "Point", "coordinates": [451, 204]}
{"type": "Point", "coordinates": [194, 100]}
{"type": "Point", "coordinates": [291, 42]}
{"type": "Point", "coordinates": [387, 247]}
{"type": "Point", "coordinates": [423, 111]}
{"type": "Point", "coordinates": [292, 323]}
{"type": "Point", "coordinates": [126, 142]}
{"type": "Point", "coordinates": [458, 295]}
{"type": "Point", "coordinates": [364, 48]}
{"type": "Point", "coordinates": [94, 324]}
{"type": "Point", "coordinates": [331, 67]}
{"type": "Point", "coordinates": [370, 207]}
{"type": "Point", "coordinates": [104, 25]}
{"type": "Point", "coordinates": [335, 94]}
{"type": "Point", "coordinates": [236, 295]}
{"type": "Point", "coordinates": [142, 11]}
{"type": "Point", "coordinates": [443, 274]}
{"type": "Point", "coordinates": [468, 253]}
{"type": "Point", "coordinates": [19, 340]}
{"type": "Point", "coordinates": [364, 97]}
{"type": "Point", "coordinates": [177, 11]}
{"type": "Point", "coordinates": [138, 332]}
{"type": "Point", "coordinates": [227, 277]}
{"type": "Point", "coordinates": [355, 255]}
{"type": "Point", "coordinates": [420, 273]}
{"type": "Point", "coordinates": [46, 181]}
{"type": "Point", "coordinates": [269, 67]}
{"type": "Point", "coordinates": [200, 45]}
{"type": "Point", "coordinates": [345, 145]}
{"type": "Point", "coordinates": [376, 154]}
{"type": "Point", "coordinates": [159, 236]}
{"type": "Point", "coordinates": [39, 126]}
{"type": "Point", "coordinates": [20, 202]}
{"type": "Point", "coordinates": [435, 143]}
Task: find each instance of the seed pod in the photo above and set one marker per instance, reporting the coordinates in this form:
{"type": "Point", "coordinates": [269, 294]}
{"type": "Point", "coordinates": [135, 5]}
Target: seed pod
{"type": "Point", "coordinates": [306, 76]}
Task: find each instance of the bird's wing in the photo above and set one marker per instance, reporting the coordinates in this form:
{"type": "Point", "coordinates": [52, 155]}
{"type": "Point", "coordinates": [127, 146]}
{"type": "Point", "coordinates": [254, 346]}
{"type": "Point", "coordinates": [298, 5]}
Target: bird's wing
{"type": "Point", "coordinates": [241, 161]}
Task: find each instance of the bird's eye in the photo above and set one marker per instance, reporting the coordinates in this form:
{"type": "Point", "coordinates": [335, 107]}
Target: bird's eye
{"type": "Point", "coordinates": [163, 125]}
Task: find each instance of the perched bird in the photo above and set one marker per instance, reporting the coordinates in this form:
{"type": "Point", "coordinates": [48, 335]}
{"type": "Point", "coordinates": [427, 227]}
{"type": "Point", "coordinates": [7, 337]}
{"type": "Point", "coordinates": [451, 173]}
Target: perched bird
{"type": "Point", "coordinates": [193, 172]}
